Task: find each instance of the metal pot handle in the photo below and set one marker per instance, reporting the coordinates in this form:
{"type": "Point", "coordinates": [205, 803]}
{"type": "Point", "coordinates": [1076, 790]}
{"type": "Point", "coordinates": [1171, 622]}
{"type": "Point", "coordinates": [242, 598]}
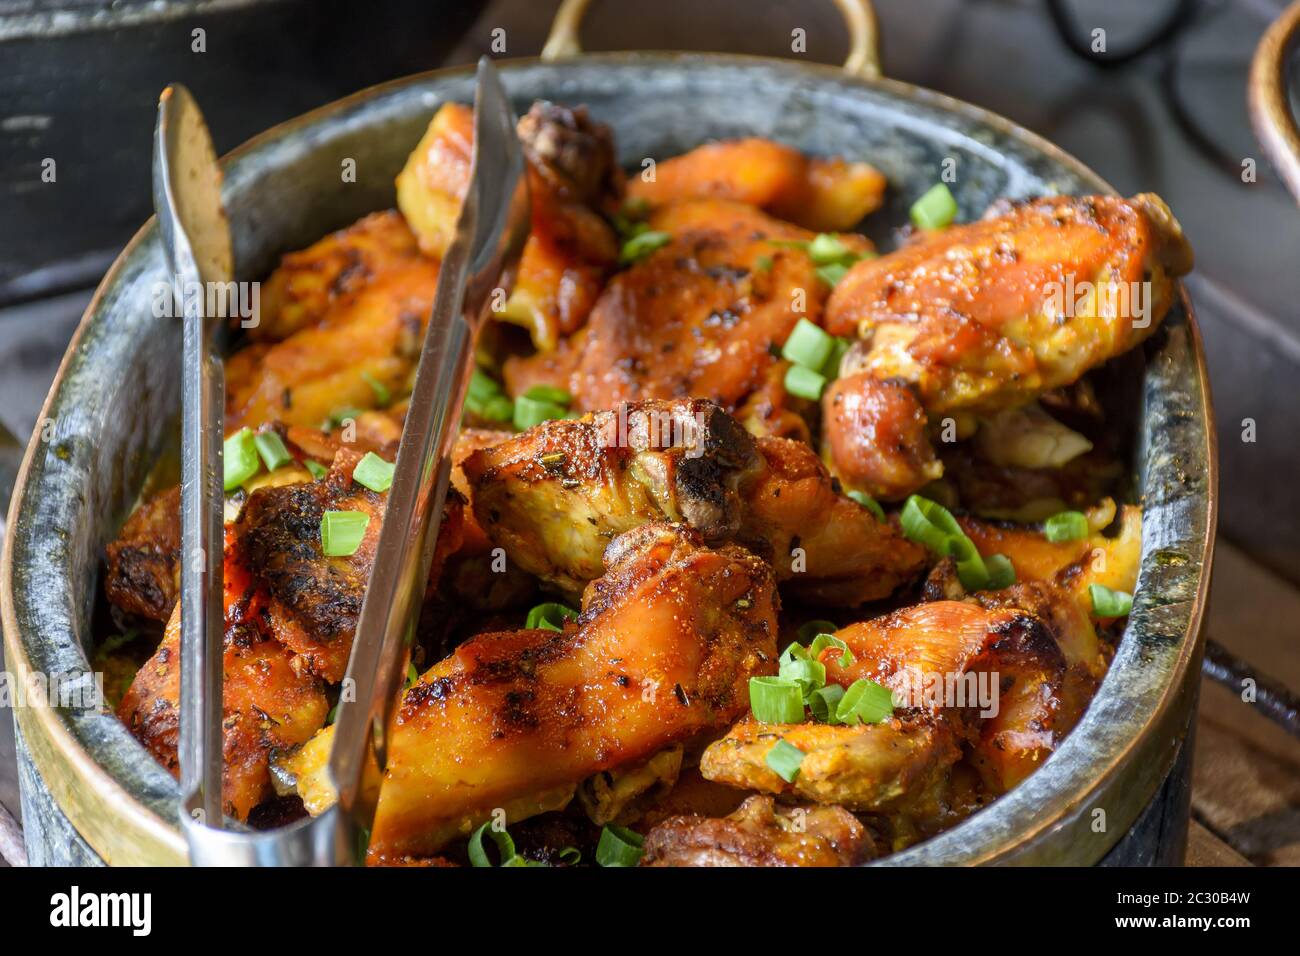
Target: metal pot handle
{"type": "Point", "coordinates": [859, 17]}
{"type": "Point", "coordinates": [1270, 108]}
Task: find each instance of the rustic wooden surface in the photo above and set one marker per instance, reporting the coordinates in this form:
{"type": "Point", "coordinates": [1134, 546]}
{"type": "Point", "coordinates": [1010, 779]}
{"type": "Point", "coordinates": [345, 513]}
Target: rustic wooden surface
{"type": "Point", "coordinates": [1246, 771]}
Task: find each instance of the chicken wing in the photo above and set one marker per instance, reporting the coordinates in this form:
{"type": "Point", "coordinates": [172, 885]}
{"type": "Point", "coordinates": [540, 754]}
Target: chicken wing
{"type": "Point", "coordinates": [869, 767]}
{"type": "Point", "coordinates": [987, 316]}
{"type": "Point", "coordinates": [662, 653]}
{"type": "Point", "coordinates": [703, 315]}
{"type": "Point", "coordinates": [269, 705]}
{"type": "Point", "coordinates": [554, 496]}
{"type": "Point", "coordinates": [307, 284]}
{"type": "Point", "coordinates": [825, 195]}
{"type": "Point", "coordinates": [290, 614]}
{"type": "Point", "coordinates": [313, 600]}
{"type": "Point", "coordinates": [571, 174]}
{"type": "Point", "coordinates": [933, 656]}
{"type": "Point", "coordinates": [364, 348]}
{"type": "Point", "coordinates": [762, 833]}
{"type": "Point", "coordinates": [1111, 560]}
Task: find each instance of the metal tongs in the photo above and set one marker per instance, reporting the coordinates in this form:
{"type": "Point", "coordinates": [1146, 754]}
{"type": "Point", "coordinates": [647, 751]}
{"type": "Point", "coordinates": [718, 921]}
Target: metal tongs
{"type": "Point", "coordinates": [490, 234]}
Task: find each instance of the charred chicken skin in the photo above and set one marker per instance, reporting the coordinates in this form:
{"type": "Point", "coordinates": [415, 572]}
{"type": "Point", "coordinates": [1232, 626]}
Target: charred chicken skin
{"type": "Point", "coordinates": [290, 614]}
{"type": "Point", "coordinates": [662, 653]}
{"type": "Point", "coordinates": [987, 316]}
{"type": "Point", "coordinates": [554, 496]}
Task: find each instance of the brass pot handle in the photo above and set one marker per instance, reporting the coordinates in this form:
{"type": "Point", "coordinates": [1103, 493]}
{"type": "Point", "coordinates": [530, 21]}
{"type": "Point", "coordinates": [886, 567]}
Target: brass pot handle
{"type": "Point", "coordinates": [1270, 107]}
{"type": "Point", "coordinates": [859, 16]}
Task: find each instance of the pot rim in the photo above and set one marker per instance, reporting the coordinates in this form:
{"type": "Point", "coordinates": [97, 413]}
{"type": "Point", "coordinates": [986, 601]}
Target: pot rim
{"type": "Point", "coordinates": [62, 759]}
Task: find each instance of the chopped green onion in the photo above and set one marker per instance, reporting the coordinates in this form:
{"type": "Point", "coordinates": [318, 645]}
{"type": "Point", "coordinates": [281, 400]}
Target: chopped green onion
{"type": "Point", "coordinates": [809, 631]}
{"type": "Point", "coordinates": [497, 409]}
{"type": "Point", "coordinates": [550, 616]}
{"type": "Point", "coordinates": [805, 671]}
{"type": "Point", "coordinates": [271, 449]}
{"type": "Point", "coordinates": [784, 759]}
{"type": "Point", "coordinates": [763, 264]}
{"type": "Point", "coordinates": [374, 473]}
{"type": "Point", "coordinates": [1109, 603]}
{"type": "Point", "coordinates": [776, 700]}
{"type": "Point", "coordinates": [412, 675]}
{"type": "Point", "coordinates": [315, 468]}
{"type": "Point", "coordinates": [971, 569]}
{"type": "Point", "coordinates": [341, 532]}
{"type": "Point", "coordinates": [505, 849]}
{"type": "Point", "coordinates": [826, 249]}
{"type": "Point", "coordinates": [239, 458]}
{"type": "Point", "coordinates": [619, 846]}
{"type": "Point", "coordinates": [549, 393]}
{"type": "Point", "coordinates": [641, 245]}
{"type": "Point", "coordinates": [1066, 526]}
{"type": "Point", "coordinates": [840, 348]}
{"type": "Point", "coordinates": [935, 209]}
{"type": "Point", "coordinates": [482, 386]}
{"type": "Point", "coordinates": [823, 641]}
{"type": "Point", "coordinates": [505, 846]}
{"type": "Point", "coordinates": [808, 345]}
{"type": "Point", "coordinates": [929, 523]}
{"type": "Point", "coordinates": [824, 701]}
{"type": "Point", "coordinates": [868, 502]}
{"type": "Point", "coordinates": [1002, 573]}
{"type": "Point", "coordinates": [383, 395]}
{"type": "Point", "coordinates": [804, 382]}
{"type": "Point", "coordinates": [530, 412]}
{"type": "Point", "coordinates": [570, 855]}
{"type": "Point", "coordinates": [833, 273]}
{"type": "Point", "coordinates": [865, 701]}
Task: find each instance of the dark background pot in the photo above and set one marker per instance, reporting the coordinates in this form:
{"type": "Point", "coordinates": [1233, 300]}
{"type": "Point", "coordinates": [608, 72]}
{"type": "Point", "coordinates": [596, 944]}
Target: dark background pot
{"type": "Point", "coordinates": [81, 78]}
{"type": "Point", "coordinates": [117, 394]}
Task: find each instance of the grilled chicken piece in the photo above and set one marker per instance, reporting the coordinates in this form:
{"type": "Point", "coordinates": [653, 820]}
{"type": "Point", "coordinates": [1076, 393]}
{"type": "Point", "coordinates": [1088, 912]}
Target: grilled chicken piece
{"type": "Point", "coordinates": [825, 195]}
{"type": "Point", "coordinates": [269, 705]}
{"type": "Point", "coordinates": [368, 342]}
{"type": "Point", "coordinates": [308, 284]}
{"type": "Point", "coordinates": [826, 548]}
{"type": "Point", "coordinates": [703, 315]}
{"type": "Point", "coordinates": [290, 614]}
{"type": "Point", "coordinates": [662, 653]}
{"type": "Point", "coordinates": [876, 436]}
{"type": "Point", "coordinates": [143, 561]}
{"type": "Point", "coordinates": [933, 655]}
{"type": "Point", "coordinates": [987, 316]}
{"type": "Point", "coordinates": [571, 174]}
{"type": "Point", "coordinates": [990, 677]}
{"type": "Point", "coordinates": [868, 767]}
{"type": "Point", "coordinates": [313, 600]}
{"type": "Point", "coordinates": [554, 496]}
{"type": "Point", "coordinates": [1073, 566]}
{"type": "Point", "coordinates": [762, 833]}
